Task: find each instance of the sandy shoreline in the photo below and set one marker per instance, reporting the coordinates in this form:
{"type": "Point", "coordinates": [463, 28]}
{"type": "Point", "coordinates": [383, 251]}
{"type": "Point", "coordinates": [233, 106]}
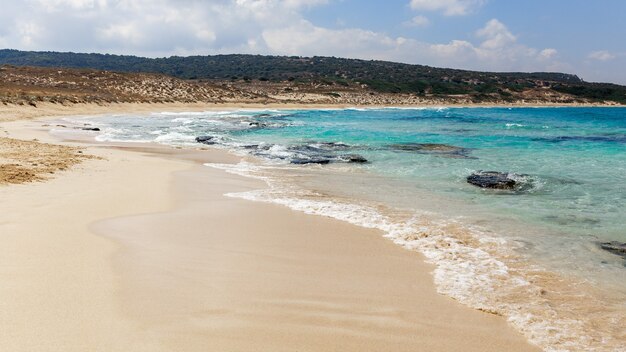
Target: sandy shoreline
{"type": "Point", "coordinates": [141, 251]}
{"type": "Point", "coordinates": [22, 112]}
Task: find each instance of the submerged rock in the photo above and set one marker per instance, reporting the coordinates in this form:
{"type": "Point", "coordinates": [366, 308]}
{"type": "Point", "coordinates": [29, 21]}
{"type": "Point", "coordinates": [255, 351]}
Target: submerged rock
{"type": "Point", "coordinates": [332, 146]}
{"type": "Point", "coordinates": [306, 149]}
{"type": "Point", "coordinates": [352, 158]}
{"type": "Point", "coordinates": [310, 161]}
{"type": "Point", "coordinates": [615, 247]}
{"type": "Point", "coordinates": [491, 179]}
{"type": "Point", "coordinates": [615, 138]}
{"type": "Point", "coordinates": [206, 140]}
{"type": "Point", "coordinates": [443, 150]}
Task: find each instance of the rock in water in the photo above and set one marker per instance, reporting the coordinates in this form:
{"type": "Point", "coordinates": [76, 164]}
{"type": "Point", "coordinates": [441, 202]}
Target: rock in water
{"type": "Point", "coordinates": [95, 129]}
{"type": "Point", "coordinates": [442, 150]}
{"type": "Point", "coordinates": [426, 147]}
{"type": "Point", "coordinates": [615, 247]}
{"type": "Point", "coordinates": [206, 140]}
{"type": "Point", "coordinates": [332, 145]}
{"type": "Point", "coordinates": [353, 158]}
{"type": "Point", "coordinates": [491, 179]}
{"type": "Point", "coordinates": [310, 161]}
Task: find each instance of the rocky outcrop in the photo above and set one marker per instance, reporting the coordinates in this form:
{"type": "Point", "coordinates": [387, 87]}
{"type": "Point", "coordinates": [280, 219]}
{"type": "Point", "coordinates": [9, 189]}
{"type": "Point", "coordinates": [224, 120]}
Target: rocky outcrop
{"type": "Point", "coordinates": [352, 158]}
{"type": "Point", "coordinates": [492, 179]}
{"type": "Point", "coordinates": [615, 247]}
{"type": "Point", "coordinates": [310, 161]}
{"type": "Point", "coordinates": [206, 140]}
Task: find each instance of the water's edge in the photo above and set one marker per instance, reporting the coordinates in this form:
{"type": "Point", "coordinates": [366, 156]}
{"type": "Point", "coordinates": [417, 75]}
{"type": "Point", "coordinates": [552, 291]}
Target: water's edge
{"type": "Point", "coordinates": [473, 264]}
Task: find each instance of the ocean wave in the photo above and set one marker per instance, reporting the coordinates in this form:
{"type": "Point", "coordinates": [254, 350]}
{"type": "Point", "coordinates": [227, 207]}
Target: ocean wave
{"type": "Point", "coordinates": [480, 270]}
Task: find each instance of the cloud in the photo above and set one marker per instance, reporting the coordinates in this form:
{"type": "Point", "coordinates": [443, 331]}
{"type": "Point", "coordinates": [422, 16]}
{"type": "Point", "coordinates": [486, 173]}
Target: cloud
{"type": "Point", "coordinates": [497, 48]}
{"type": "Point", "coordinates": [304, 38]}
{"type": "Point", "coordinates": [447, 7]}
{"type": "Point", "coordinates": [199, 27]}
{"type": "Point", "coordinates": [496, 35]}
{"type": "Point", "coordinates": [602, 55]}
{"type": "Point", "coordinates": [418, 21]}
{"type": "Point", "coordinates": [548, 53]}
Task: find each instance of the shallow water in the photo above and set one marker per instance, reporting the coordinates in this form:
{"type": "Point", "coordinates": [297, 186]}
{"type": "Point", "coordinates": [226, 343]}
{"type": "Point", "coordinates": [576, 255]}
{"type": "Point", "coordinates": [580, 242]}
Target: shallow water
{"type": "Point", "coordinates": [529, 254]}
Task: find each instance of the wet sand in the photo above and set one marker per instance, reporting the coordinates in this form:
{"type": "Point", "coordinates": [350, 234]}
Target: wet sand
{"type": "Point", "coordinates": [140, 251]}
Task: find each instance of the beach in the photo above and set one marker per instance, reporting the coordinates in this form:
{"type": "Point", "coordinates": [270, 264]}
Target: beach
{"type": "Point", "coordinates": [139, 249]}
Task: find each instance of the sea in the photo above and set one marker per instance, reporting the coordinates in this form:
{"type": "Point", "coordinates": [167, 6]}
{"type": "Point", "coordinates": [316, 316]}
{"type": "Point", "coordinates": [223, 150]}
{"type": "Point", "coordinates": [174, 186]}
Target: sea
{"type": "Point", "coordinates": [531, 253]}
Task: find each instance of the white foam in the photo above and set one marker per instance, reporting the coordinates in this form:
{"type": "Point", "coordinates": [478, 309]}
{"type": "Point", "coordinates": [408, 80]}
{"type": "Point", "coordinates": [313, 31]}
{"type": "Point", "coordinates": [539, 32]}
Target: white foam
{"type": "Point", "coordinates": [467, 267]}
{"type": "Point", "coordinates": [174, 137]}
{"type": "Point", "coordinates": [183, 120]}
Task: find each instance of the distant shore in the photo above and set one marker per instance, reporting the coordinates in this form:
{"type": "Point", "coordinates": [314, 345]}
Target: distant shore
{"type": "Point", "coordinates": [11, 112]}
{"type": "Point", "coordinates": [137, 249]}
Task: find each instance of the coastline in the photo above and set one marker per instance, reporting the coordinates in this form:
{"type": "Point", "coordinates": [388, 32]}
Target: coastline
{"type": "Point", "coordinates": [25, 112]}
{"type": "Point", "coordinates": [329, 272]}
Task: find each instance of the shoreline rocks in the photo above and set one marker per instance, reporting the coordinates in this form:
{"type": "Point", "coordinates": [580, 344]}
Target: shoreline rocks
{"type": "Point", "coordinates": [353, 158]}
{"type": "Point", "coordinates": [615, 247]}
{"type": "Point", "coordinates": [492, 180]}
{"type": "Point", "coordinates": [310, 161]}
{"type": "Point", "coordinates": [209, 140]}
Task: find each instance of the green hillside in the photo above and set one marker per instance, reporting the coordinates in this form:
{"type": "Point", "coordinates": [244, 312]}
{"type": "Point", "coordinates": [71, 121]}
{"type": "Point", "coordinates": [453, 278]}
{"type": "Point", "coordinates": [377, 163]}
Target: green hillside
{"type": "Point", "coordinates": [382, 76]}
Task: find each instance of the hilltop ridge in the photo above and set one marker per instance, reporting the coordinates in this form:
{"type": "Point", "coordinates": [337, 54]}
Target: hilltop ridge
{"type": "Point", "coordinates": [268, 79]}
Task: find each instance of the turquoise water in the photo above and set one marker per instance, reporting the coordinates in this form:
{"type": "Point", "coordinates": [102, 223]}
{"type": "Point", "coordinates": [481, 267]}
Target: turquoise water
{"type": "Point", "coordinates": [575, 158]}
{"type": "Point", "coordinates": [501, 246]}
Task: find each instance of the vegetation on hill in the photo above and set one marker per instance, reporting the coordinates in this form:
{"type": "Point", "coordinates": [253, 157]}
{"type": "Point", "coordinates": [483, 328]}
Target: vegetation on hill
{"type": "Point", "coordinates": [379, 76]}
{"type": "Point", "coordinates": [34, 85]}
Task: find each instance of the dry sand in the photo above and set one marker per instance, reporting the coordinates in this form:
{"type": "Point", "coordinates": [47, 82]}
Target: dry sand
{"type": "Point", "coordinates": [142, 252]}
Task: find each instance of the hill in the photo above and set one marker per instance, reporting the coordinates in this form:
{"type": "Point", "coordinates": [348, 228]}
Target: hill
{"type": "Point", "coordinates": [275, 77]}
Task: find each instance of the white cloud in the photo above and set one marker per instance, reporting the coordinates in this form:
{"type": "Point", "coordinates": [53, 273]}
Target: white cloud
{"type": "Point", "coordinates": [52, 5]}
{"type": "Point", "coordinates": [548, 53]}
{"type": "Point", "coordinates": [496, 35]}
{"type": "Point", "coordinates": [304, 38]}
{"type": "Point", "coordinates": [418, 21]}
{"type": "Point", "coordinates": [497, 49]}
{"type": "Point", "coordinates": [448, 7]}
{"type": "Point", "coordinates": [601, 55]}
{"type": "Point", "coordinates": [28, 32]}
{"type": "Point", "coordinates": [195, 27]}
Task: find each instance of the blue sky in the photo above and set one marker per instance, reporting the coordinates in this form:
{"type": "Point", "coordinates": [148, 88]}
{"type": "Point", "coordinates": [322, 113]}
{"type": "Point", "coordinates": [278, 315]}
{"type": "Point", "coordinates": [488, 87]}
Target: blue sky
{"type": "Point", "coordinates": [575, 36]}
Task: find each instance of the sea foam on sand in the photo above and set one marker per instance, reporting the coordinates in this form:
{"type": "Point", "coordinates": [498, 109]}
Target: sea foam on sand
{"type": "Point", "coordinates": [472, 267]}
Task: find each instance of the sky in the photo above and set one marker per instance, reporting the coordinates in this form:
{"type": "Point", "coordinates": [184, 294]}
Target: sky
{"type": "Point", "coordinates": [584, 37]}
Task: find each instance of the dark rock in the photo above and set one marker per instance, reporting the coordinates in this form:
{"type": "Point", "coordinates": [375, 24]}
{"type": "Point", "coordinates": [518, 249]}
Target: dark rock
{"type": "Point", "coordinates": [353, 158]}
{"type": "Point", "coordinates": [306, 149]}
{"type": "Point", "coordinates": [616, 138]}
{"type": "Point", "coordinates": [443, 150]}
{"type": "Point", "coordinates": [491, 179]}
{"type": "Point", "coordinates": [425, 147]}
{"type": "Point", "coordinates": [310, 161]}
{"type": "Point", "coordinates": [615, 247]}
{"type": "Point", "coordinates": [206, 140]}
{"type": "Point", "coordinates": [96, 129]}
{"type": "Point", "coordinates": [333, 146]}
{"type": "Point", "coordinates": [257, 124]}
